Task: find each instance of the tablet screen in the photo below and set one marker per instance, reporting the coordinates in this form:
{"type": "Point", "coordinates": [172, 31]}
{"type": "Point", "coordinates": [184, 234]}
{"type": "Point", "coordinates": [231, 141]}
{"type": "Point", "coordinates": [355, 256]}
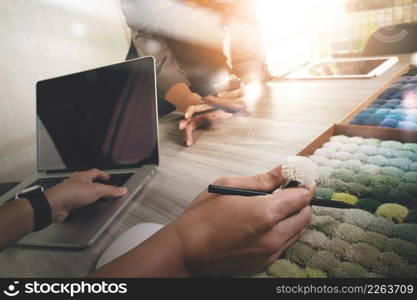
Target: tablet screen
{"type": "Point", "coordinates": [338, 68]}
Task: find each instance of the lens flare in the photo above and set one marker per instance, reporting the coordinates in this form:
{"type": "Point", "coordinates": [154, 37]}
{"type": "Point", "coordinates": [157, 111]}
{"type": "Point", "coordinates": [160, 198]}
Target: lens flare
{"type": "Point", "coordinates": [413, 58]}
{"type": "Point", "coordinates": [410, 101]}
{"type": "Point", "coordinates": [253, 92]}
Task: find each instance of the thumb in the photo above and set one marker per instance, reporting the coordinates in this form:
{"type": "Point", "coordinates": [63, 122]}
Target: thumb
{"type": "Point", "coordinates": [267, 182]}
{"type": "Point", "coordinates": [102, 190]}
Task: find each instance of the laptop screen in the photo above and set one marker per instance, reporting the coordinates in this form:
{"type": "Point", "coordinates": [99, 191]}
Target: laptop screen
{"type": "Point", "coordinates": [104, 118]}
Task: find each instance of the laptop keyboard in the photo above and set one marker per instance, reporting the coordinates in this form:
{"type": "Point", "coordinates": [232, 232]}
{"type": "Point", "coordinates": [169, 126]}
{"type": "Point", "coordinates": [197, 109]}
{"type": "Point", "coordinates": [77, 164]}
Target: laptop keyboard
{"type": "Point", "coordinates": [115, 179]}
{"type": "Point", "coordinates": [48, 182]}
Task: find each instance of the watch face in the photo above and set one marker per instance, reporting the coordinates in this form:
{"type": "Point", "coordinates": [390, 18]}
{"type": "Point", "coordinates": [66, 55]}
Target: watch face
{"type": "Point", "coordinates": [28, 190]}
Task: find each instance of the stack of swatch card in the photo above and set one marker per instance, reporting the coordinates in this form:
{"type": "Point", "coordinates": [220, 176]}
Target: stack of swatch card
{"type": "Point", "coordinates": [396, 107]}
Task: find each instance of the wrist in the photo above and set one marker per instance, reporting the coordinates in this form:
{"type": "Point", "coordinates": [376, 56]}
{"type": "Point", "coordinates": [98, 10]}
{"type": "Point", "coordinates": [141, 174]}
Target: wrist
{"type": "Point", "coordinates": [193, 99]}
{"type": "Point", "coordinates": [182, 97]}
{"type": "Point", "coordinates": [42, 213]}
{"type": "Point", "coordinates": [177, 251]}
{"type": "Point", "coordinates": [58, 210]}
{"type": "Point", "coordinates": [161, 255]}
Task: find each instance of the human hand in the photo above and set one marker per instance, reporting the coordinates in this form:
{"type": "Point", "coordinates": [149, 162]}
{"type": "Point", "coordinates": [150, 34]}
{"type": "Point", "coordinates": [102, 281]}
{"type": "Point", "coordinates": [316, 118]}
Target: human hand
{"type": "Point", "coordinates": [78, 191]}
{"type": "Point", "coordinates": [229, 95]}
{"type": "Point", "coordinates": [230, 235]}
{"type": "Point", "coordinates": [193, 121]}
{"type": "Point", "coordinates": [228, 100]}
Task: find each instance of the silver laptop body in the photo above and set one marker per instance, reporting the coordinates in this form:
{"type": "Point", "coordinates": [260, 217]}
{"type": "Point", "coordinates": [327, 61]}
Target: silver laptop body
{"type": "Point", "coordinates": [122, 99]}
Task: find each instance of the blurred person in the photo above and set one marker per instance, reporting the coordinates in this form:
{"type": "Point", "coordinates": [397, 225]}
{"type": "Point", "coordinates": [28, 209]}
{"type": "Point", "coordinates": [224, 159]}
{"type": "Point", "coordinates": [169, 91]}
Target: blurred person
{"type": "Point", "coordinates": [188, 39]}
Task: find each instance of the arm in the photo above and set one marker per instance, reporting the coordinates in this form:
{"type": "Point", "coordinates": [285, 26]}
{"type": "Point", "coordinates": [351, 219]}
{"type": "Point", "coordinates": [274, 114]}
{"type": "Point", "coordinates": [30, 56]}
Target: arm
{"type": "Point", "coordinates": [160, 256]}
{"type": "Point", "coordinates": [151, 22]}
{"type": "Point", "coordinates": [176, 20]}
{"type": "Point", "coordinates": [16, 221]}
{"type": "Point", "coordinates": [17, 217]}
{"type": "Point", "coordinates": [173, 84]}
{"type": "Point", "coordinates": [248, 57]}
{"type": "Point", "coordinates": [222, 235]}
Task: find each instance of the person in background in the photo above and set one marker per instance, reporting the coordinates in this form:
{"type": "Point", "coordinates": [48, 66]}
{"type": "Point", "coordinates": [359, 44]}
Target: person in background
{"type": "Point", "coordinates": [216, 236]}
{"type": "Point", "coordinates": [188, 39]}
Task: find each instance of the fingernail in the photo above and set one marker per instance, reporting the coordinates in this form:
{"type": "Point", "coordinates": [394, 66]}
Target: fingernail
{"type": "Point", "coordinates": [220, 94]}
{"type": "Point", "coordinates": [123, 190]}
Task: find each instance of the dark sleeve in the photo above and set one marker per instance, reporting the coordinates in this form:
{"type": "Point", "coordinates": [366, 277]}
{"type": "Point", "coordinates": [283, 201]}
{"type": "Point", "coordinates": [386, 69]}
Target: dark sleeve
{"type": "Point", "coordinates": [146, 20]}
{"type": "Point", "coordinates": [168, 70]}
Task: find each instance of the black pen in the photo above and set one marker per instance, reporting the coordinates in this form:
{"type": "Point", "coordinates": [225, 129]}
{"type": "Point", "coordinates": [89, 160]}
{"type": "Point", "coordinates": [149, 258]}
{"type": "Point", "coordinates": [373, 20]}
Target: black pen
{"type": "Point", "coordinates": [230, 85]}
{"type": "Point", "coordinates": [215, 108]}
{"type": "Point", "coordinates": [224, 190]}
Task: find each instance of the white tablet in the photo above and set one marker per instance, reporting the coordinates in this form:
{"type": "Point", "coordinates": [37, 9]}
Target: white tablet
{"type": "Point", "coordinates": [343, 68]}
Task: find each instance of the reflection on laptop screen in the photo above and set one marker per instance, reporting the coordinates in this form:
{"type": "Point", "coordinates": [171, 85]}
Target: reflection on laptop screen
{"type": "Point", "coordinates": [103, 118]}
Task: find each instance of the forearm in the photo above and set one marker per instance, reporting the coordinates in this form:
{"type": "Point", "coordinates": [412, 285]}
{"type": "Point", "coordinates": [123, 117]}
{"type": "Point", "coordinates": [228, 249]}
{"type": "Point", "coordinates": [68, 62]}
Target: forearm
{"type": "Point", "coordinates": [182, 97]}
{"type": "Point", "coordinates": [159, 256]}
{"type": "Point", "coordinates": [16, 221]}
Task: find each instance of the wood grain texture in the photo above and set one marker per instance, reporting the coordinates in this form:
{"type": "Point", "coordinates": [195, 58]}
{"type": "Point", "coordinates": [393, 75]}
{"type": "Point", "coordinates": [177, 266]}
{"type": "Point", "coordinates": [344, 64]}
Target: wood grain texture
{"type": "Point", "coordinates": [288, 117]}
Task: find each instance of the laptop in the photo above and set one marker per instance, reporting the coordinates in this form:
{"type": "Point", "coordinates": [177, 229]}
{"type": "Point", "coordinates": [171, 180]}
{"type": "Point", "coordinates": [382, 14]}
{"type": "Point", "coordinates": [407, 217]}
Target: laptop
{"type": "Point", "coordinates": [105, 118]}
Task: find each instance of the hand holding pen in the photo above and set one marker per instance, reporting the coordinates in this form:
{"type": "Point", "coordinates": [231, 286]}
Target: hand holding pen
{"type": "Point", "coordinates": [215, 108]}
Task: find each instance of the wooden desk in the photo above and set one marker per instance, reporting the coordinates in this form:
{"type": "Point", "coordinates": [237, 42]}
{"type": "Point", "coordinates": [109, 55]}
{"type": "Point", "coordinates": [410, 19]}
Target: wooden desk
{"type": "Point", "coordinates": [289, 116]}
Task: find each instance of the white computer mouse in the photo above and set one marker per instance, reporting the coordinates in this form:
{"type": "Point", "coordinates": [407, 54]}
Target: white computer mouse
{"type": "Point", "coordinates": [127, 241]}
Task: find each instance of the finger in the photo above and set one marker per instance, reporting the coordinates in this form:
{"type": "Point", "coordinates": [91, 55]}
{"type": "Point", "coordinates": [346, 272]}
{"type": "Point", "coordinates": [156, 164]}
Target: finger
{"type": "Point", "coordinates": [283, 248]}
{"type": "Point", "coordinates": [234, 83]}
{"type": "Point", "coordinates": [267, 182]}
{"type": "Point", "coordinates": [90, 175]}
{"type": "Point", "coordinates": [262, 213]}
{"type": "Point", "coordinates": [219, 115]}
{"type": "Point", "coordinates": [295, 223]}
{"type": "Point", "coordinates": [61, 217]}
{"type": "Point", "coordinates": [183, 124]}
{"type": "Point", "coordinates": [235, 93]}
{"type": "Point", "coordinates": [108, 191]}
{"type": "Point", "coordinates": [232, 103]}
{"type": "Point", "coordinates": [268, 211]}
{"type": "Point", "coordinates": [194, 124]}
{"type": "Point", "coordinates": [288, 202]}
{"type": "Point", "coordinates": [275, 238]}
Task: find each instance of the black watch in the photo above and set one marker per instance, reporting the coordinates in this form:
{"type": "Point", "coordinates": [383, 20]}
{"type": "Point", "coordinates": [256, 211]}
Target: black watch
{"type": "Point", "coordinates": [40, 204]}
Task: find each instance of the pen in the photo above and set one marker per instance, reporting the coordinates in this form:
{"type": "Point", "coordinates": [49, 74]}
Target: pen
{"type": "Point", "coordinates": [215, 108]}
{"type": "Point", "coordinates": [224, 190]}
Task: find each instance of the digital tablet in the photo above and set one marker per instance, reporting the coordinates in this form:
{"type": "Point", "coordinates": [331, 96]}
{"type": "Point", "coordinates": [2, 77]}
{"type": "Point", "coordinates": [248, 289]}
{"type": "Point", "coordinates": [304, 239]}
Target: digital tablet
{"type": "Point", "coordinates": [343, 68]}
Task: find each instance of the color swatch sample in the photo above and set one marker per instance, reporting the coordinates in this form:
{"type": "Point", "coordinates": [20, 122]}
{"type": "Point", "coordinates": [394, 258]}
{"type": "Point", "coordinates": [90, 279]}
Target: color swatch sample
{"type": "Point", "coordinates": [375, 175]}
{"type": "Point", "coordinates": [349, 244]}
{"type": "Point", "coordinates": [396, 107]}
{"type": "Point", "coordinates": [377, 240]}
